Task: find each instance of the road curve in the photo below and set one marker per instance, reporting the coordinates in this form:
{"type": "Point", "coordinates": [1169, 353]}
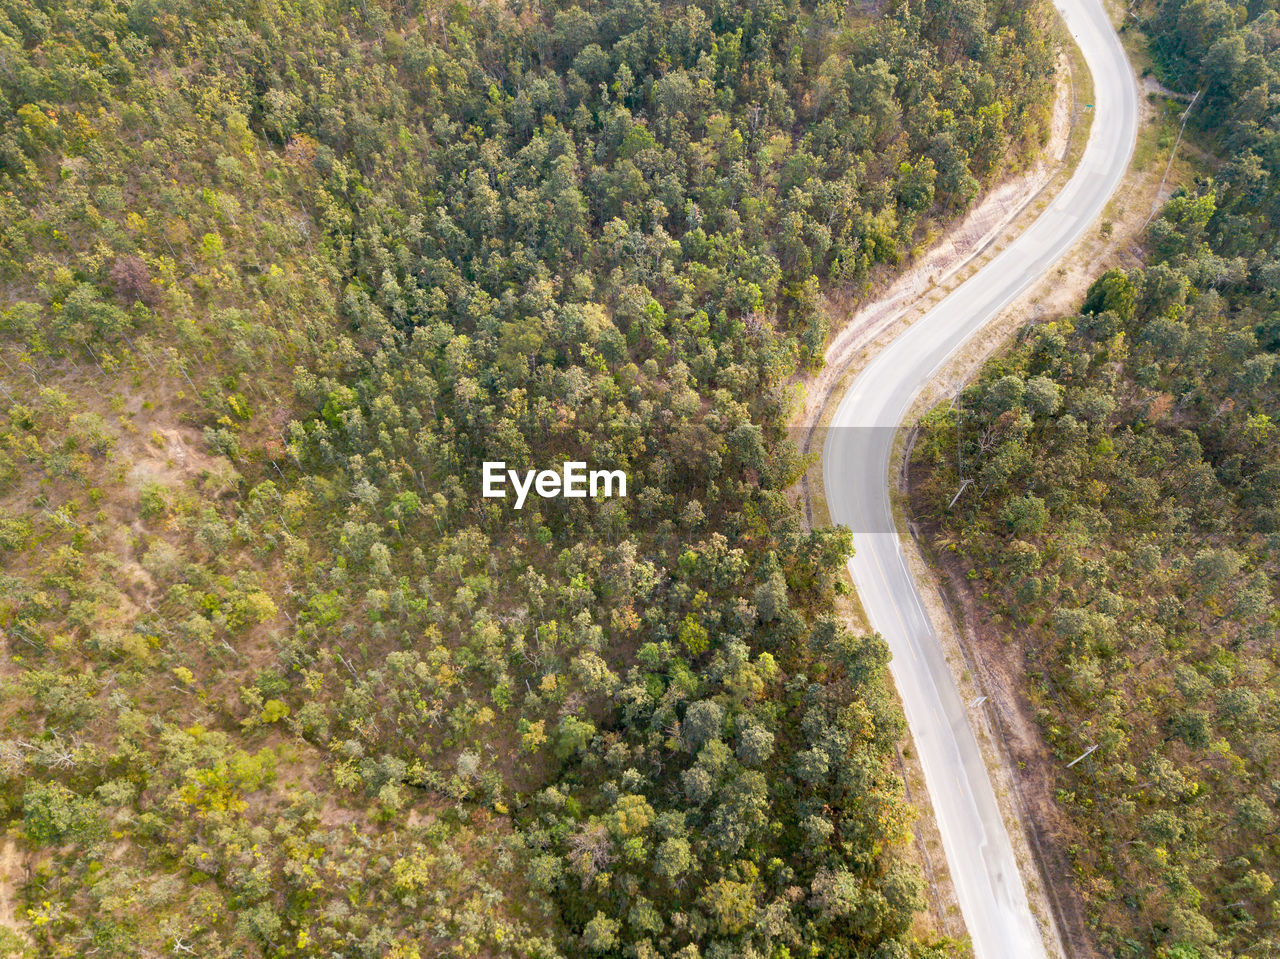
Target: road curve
{"type": "Point", "coordinates": [855, 460]}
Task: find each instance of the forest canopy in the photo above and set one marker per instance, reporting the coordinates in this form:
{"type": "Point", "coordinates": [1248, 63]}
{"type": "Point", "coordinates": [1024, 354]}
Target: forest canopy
{"type": "Point", "coordinates": [278, 278]}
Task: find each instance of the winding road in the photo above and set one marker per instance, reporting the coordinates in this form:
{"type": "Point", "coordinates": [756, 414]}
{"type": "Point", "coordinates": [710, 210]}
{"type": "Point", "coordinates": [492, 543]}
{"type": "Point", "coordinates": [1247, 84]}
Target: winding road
{"type": "Point", "coordinates": [856, 456]}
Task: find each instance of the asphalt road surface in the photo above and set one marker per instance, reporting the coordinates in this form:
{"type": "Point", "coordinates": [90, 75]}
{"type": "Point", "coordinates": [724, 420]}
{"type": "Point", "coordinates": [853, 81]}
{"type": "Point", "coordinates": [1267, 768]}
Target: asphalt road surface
{"type": "Point", "coordinates": [855, 469]}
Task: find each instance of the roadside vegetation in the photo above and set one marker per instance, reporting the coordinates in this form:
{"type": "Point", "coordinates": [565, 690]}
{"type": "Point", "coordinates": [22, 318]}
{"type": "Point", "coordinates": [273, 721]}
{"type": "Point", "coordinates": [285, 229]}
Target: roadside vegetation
{"type": "Point", "coordinates": [1122, 526]}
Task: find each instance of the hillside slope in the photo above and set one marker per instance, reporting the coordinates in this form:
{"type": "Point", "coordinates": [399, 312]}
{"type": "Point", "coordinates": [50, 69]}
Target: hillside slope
{"type": "Point", "coordinates": [278, 278]}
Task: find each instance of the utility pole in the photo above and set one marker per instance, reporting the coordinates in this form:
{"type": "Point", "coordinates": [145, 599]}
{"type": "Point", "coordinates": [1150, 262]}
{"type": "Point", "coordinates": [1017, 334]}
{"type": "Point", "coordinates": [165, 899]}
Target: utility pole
{"type": "Point", "coordinates": [1185, 113]}
{"type": "Point", "coordinates": [1081, 756]}
{"type": "Point", "coordinates": [963, 484]}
